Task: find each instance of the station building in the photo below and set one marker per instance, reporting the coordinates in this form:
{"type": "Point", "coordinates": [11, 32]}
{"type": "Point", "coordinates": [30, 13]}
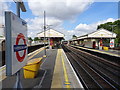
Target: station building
{"type": "Point", "coordinates": [52, 36]}
{"type": "Point", "coordinates": [2, 37]}
{"type": "Point", "coordinates": [96, 39]}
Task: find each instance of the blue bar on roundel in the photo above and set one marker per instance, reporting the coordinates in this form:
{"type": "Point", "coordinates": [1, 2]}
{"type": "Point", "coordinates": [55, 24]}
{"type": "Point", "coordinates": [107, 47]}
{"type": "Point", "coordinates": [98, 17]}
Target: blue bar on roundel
{"type": "Point", "coordinates": [19, 47]}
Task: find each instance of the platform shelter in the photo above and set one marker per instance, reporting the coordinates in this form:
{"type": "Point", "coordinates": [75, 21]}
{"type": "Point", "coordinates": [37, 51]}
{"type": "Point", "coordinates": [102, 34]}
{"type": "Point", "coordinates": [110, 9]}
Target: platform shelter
{"type": "Point", "coordinates": [95, 39]}
{"type": "Point", "coordinates": [53, 37]}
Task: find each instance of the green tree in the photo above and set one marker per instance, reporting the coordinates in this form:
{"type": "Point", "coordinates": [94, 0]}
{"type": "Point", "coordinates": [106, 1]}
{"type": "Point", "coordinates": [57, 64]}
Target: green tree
{"type": "Point", "coordinates": [74, 37]}
{"type": "Point", "coordinates": [29, 38]}
{"type": "Point", "coordinates": [116, 28]}
{"type": "Point", "coordinates": [36, 39]}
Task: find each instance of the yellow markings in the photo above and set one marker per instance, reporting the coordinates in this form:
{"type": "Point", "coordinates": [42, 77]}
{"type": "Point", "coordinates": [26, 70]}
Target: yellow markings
{"type": "Point", "coordinates": [67, 83]}
{"type": "Point", "coordinates": [44, 56]}
{"type": "Point", "coordinates": [98, 51]}
{"type": "Point", "coordinates": [2, 69]}
{"type": "Point", "coordinates": [57, 77]}
{"type": "Point", "coordinates": [35, 54]}
{"type": "Point", "coordinates": [104, 52]}
{"type": "Point", "coordinates": [2, 76]}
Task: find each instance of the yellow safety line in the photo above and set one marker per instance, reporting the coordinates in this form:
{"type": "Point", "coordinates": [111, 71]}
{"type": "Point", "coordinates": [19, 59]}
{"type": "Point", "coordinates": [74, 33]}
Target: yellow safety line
{"type": "Point", "coordinates": [65, 72]}
{"type": "Point", "coordinates": [57, 77]}
{"type": "Point", "coordinates": [2, 69]}
{"type": "Point", "coordinates": [35, 54]}
{"type": "Point", "coordinates": [98, 51]}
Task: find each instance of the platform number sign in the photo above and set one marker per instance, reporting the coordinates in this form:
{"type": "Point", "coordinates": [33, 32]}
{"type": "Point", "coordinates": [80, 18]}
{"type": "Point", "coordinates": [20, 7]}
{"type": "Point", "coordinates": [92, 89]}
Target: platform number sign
{"type": "Point", "coordinates": [16, 43]}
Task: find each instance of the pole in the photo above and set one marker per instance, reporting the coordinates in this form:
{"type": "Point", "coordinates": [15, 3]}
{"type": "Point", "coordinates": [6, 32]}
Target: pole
{"type": "Point", "coordinates": [111, 39]}
{"type": "Point", "coordinates": [49, 39]}
{"type": "Point", "coordinates": [18, 8]}
{"type": "Point", "coordinates": [44, 30]}
{"type": "Point", "coordinates": [49, 36]}
{"type": "Point", "coordinates": [112, 36]}
{"type": "Point", "coordinates": [112, 33]}
{"type": "Point", "coordinates": [18, 81]}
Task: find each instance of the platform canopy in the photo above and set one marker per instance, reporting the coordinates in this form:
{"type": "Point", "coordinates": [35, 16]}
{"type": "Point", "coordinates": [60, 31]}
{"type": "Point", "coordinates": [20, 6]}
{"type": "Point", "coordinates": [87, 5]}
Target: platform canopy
{"type": "Point", "coordinates": [101, 33]}
{"type": "Point", "coordinates": [51, 33]}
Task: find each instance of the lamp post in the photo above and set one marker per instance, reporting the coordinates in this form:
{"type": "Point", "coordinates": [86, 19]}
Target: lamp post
{"type": "Point", "coordinates": [44, 31]}
{"type": "Point", "coordinates": [48, 26]}
{"type": "Point", "coordinates": [111, 39]}
{"type": "Point", "coordinates": [112, 29]}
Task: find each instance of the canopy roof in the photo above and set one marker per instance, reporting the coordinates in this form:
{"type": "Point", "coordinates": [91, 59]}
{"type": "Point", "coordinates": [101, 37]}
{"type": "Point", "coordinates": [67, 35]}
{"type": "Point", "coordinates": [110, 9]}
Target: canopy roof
{"type": "Point", "coordinates": [101, 33]}
{"type": "Point", "coordinates": [51, 33]}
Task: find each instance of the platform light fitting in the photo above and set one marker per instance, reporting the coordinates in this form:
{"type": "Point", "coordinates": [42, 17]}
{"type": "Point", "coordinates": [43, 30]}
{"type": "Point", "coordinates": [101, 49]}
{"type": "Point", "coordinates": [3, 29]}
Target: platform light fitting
{"type": "Point", "coordinates": [22, 6]}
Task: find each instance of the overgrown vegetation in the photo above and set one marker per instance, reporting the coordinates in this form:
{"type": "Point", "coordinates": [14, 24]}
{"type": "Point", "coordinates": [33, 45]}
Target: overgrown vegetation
{"type": "Point", "coordinates": [1, 36]}
{"type": "Point", "coordinates": [29, 38]}
{"type": "Point", "coordinates": [36, 39]}
{"type": "Point", "coordinates": [112, 26]}
{"type": "Point", "coordinates": [74, 37]}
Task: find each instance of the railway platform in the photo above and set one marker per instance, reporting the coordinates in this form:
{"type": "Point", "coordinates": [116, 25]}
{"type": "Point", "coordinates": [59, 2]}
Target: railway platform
{"type": "Point", "coordinates": [110, 52]}
{"type": "Point", "coordinates": [55, 72]}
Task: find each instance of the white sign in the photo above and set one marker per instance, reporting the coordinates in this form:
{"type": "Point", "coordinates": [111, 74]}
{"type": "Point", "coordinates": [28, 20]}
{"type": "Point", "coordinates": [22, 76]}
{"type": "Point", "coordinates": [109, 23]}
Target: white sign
{"type": "Point", "coordinates": [16, 43]}
{"type": "Point", "coordinates": [112, 43]}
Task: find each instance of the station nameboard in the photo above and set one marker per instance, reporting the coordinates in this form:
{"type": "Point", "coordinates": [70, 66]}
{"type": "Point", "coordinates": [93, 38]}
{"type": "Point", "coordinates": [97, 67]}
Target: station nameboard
{"type": "Point", "coordinates": [16, 43]}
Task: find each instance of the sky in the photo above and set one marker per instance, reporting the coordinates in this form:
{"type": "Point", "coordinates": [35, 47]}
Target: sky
{"type": "Point", "coordinates": [71, 17]}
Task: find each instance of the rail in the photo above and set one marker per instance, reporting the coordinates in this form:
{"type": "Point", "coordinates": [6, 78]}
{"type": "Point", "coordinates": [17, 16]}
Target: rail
{"type": "Point", "coordinates": [94, 72]}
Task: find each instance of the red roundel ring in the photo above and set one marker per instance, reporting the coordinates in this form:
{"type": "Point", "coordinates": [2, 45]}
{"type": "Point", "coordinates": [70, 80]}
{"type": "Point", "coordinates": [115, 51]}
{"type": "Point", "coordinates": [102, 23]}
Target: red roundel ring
{"type": "Point", "coordinates": [111, 44]}
{"type": "Point", "coordinates": [20, 58]}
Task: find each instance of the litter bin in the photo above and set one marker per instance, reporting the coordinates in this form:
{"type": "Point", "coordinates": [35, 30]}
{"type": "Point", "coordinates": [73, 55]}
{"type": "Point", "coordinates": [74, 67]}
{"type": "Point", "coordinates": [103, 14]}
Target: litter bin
{"type": "Point", "coordinates": [105, 48]}
{"type": "Point", "coordinates": [31, 69]}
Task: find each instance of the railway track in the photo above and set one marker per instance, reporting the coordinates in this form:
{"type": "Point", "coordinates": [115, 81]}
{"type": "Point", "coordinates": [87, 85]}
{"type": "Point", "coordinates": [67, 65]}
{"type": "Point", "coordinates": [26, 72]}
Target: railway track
{"type": "Point", "coordinates": [93, 71]}
{"type": "Point", "coordinates": [30, 49]}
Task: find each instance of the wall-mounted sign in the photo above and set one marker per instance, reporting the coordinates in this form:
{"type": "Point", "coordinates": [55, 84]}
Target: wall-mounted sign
{"type": "Point", "coordinates": [16, 43]}
{"type": "Point", "coordinates": [112, 43]}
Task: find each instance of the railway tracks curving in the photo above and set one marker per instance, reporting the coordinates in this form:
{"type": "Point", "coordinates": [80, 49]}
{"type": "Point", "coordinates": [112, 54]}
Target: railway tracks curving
{"type": "Point", "coordinates": [93, 71]}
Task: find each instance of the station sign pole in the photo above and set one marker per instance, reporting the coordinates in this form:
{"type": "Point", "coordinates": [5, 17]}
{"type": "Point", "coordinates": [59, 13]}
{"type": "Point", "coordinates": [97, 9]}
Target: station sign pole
{"type": "Point", "coordinates": [18, 80]}
{"type": "Point", "coordinates": [19, 4]}
{"type": "Point", "coordinates": [18, 9]}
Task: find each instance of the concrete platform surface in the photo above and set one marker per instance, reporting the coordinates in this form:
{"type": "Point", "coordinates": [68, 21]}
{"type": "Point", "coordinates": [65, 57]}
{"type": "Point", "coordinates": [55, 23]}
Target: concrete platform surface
{"type": "Point", "coordinates": [45, 73]}
{"type": "Point", "coordinates": [111, 52]}
{"type": "Point", "coordinates": [64, 75]}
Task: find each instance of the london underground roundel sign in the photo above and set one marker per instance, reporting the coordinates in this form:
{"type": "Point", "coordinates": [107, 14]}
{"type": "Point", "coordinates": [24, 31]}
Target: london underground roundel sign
{"type": "Point", "coordinates": [16, 43]}
{"type": "Point", "coordinates": [112, 43]}
{"type": "Point", "coordinates": [22, 47]}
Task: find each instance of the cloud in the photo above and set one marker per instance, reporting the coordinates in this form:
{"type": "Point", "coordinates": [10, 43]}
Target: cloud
{"type": "Point", "coordinates": [36, 25]}
{"type": "Point", "coordinates": [82, 29]}
{"type": "Point", "coordinates": [3, 6]}
{"type": "Point", "coordinates": [57, 11]}
{"type": "Point", "coordinates": [60, 9]}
